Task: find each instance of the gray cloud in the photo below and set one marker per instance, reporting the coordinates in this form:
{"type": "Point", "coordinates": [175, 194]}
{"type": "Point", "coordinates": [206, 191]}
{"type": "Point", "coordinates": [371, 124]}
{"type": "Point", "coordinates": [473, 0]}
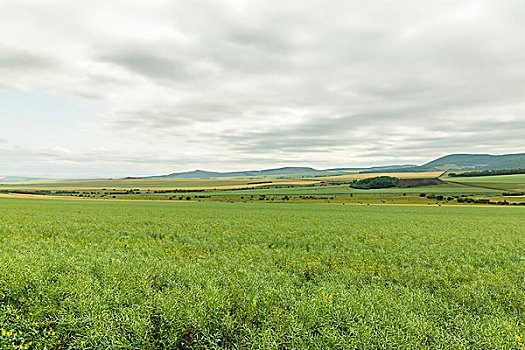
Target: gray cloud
{"type": "Point", "coordinates": [336, 83]}
{"type": "Point", "coordinates": [17, 59]}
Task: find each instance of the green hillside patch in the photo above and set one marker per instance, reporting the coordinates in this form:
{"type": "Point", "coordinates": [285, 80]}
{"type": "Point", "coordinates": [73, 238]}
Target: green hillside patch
{"type": "Point", "coordinates": [503, 179]}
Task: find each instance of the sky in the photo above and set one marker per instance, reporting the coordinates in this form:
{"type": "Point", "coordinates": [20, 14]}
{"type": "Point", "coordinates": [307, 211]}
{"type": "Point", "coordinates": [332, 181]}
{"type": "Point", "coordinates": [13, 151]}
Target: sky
{"type": "Point", "coordinates": [127, 88]}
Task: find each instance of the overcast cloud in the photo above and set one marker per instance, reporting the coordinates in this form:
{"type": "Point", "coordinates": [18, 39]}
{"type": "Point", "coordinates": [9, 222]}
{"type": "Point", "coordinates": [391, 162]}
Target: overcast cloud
{"type": "Point", "coordinates": [133, 87]}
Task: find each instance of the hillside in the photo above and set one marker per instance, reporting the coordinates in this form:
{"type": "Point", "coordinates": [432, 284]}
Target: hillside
{"type": "Point", "coordinates": [24, 179]}
{"type": "Point", "coordinates": [471, 162]}
{"type": "Point", "coordinates": [516, 162]}
{"type": "Point", "coordinates": [451, 162]}
{"type": "Point", "coordinates": [285, 171]}
{"type": "Point", "coordinates": [201, 174]}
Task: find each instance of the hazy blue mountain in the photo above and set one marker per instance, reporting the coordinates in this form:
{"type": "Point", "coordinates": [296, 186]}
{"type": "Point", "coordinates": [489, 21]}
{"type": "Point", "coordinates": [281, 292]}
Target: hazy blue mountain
{"type": "Point", "coordinates": [374, 168]}
{"type": "Point", "coordinates": [448, 162]}
{"type": "Point", "coordinates": [202, 174]}
{"type": "Point", "coordinates": [23, 179]}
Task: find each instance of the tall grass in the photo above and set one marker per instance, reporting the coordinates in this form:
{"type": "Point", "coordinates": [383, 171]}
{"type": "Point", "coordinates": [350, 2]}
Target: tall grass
{"type": "Point", "coordinates": [100, 275]}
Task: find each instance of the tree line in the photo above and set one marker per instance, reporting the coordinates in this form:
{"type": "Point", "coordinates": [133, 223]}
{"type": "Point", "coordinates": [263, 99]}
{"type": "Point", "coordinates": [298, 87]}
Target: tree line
{"type": "Point", "coordinates": [487, 173]}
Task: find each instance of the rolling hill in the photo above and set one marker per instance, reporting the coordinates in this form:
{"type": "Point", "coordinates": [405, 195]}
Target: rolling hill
{"type": "Point", "coordinates": [202, 174]}
{"type": "Point", "coordinates": [471, 162]}
{"type": "Point", "coordinates": [25, 179]}
{"type": "Point", "coordinates": [449, 162]}
{"type": "Point", "coordinates": [285, 171]}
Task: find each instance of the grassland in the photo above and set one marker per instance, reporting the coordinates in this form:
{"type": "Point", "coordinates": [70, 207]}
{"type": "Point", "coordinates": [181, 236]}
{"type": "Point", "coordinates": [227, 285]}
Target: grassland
{"type": "Point", "coordinates": [221, 183]}
{"type": "Point", "coordinates": [360, 176]}
{"type": "Point", "coordinates": [120, 184]}
{"type": "Point", "coordinates": [327, 189]}
{"type": "Point", "coordinates": [345, 189]}
{"type": "Point", "coordinates": [150, 275]}
{"type": "Point", "coordinates": [502, 182]}
{"type": "Point", "coordinates": [497, 179]}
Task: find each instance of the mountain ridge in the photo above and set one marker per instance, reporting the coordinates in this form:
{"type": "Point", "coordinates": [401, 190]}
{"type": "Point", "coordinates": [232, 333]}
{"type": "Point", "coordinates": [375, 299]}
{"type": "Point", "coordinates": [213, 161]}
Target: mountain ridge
{"type": "Point", "coordinates": [471, 161]}
{"type": "Point", "coordinates": [456, 161]}
{"type": "Point", "coordinates": [450, 162]}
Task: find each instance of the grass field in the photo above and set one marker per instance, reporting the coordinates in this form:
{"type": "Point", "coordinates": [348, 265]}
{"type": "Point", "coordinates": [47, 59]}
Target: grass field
{"type": "Point", "coordinates": [298, 190]}
{"type": "Point", "coordinates": [498, 179]}
{"type": "Point", "coordinates": [152, 275]}
{"type": "Point", "coordinates": [360, 176]}
{"type": "Point", "coordinates": [329, 190]}
{"type": "Point", "coordinates": [220, 183]}
{"type": "Point", "coordinates": [149, 184]}
{"type": "Point", "coordinates": [503, 182]}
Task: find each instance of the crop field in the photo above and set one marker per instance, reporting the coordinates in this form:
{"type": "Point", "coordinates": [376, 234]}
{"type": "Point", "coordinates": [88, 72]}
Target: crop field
{"type": "Point", "coordinates": [327, 189]}
{"type": "Point", "coordinates": [504, 179]}
{"type": "Point", "coordinates": [298, 190]}
{"type": "Point", "coordinates": [360, 176]}
{"type": "Point", "coordinates": [149, 183]}
{"type": "Point", "coordinates": [503, 182]}
{"type": "Point", "coordinates": [161, 275]}
{"type": "Point", "coordinates": [210, 184]}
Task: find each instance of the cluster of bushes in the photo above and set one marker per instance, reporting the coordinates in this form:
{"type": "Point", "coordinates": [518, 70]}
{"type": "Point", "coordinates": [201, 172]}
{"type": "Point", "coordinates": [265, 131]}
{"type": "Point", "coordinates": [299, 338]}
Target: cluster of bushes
{"type": "Point", "coordinates": [486, 201]}
{"type": "Point", "coordinates": [316, 197]}
{"type": "Point", "coordinates": [26, 191]}
{"type": "Point", "coordinates": [176, 191]}
{"type": "Point", "coordinates": [375, 182]}
{"type": "Point", "coordinates": [488, 173]}
{"type": "Point", "coordinates": [436, 197]}
{"type": "Point", "coordinates": [466, 199]}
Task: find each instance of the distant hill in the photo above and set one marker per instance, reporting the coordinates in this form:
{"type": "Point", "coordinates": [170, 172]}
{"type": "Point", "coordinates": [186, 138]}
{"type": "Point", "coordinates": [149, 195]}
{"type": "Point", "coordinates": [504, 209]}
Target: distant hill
{"type": "Point", "coordinates": [516, 162]}
{"type": "Point", "coordinates": [285, 171]}
{"type": "Point", "coordinates": [449, 162]}
{"type": "Point", "coordinates": [374, 168]}
{"type": "Point", "coordinates": [24, 179]}
{"type": "Point", "coordinates": [471, 162]}
{"type": "Point", "coordinates": [201, 174]}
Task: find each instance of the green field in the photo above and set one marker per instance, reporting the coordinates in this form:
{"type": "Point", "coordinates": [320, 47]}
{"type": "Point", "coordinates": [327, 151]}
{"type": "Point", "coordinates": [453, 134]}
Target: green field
{"type": "Point", "coordinates": [502, 179]}
{"type": "Point", "coordinates": [502, 182]}
{"type": "Point", "coordinates": [156, 275]}
{"type": "Point", "coordinates": [416, 189]}
{"type": "Point", "coordinates": [189, 183]}
{"type": "Point", "coordinates": [342, 189]}
{"type": "Point", "coordinates": [131, 183]}
{"type": "Point", "coordinates": [274, 190]}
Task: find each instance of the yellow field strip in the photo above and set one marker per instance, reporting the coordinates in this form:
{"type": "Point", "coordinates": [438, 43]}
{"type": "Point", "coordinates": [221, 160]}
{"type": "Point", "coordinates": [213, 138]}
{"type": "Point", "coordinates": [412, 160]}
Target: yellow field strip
{"type": "Point", "coordinates": [110, 186]}
{"type": "Point", "coordinates": [351, 177]}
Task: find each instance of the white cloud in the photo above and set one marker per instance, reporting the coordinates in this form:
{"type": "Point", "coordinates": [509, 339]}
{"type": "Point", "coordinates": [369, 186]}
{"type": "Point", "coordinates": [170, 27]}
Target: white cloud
{"type": "Point", "coordinates": [244, 84]}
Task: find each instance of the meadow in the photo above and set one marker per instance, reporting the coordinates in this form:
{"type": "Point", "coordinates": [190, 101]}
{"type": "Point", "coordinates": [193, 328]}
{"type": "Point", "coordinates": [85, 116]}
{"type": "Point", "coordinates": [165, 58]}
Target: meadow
{"type": "Point", "coordinates": [147, 183]}
{"type": "Point", "coordinates": [505, 179]}
{"type": "Point", "coordinates": [325, 189]}
{"type": "Point", "coordinates": [189, 275]}
{"type": "Point", "coordinates": [209, 184]}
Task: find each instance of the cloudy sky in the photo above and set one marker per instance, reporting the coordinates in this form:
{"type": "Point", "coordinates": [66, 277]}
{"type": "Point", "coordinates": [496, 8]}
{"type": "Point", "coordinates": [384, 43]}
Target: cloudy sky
{"type": "Point", "coordinates": [110, 88]}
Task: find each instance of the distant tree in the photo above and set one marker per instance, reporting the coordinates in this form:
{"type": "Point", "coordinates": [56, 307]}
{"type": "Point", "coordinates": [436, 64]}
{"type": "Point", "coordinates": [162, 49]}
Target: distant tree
{"type": "Point", "coordinates": [487, 173]}
{"type": "Point", "coordinates": [375, 182]}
